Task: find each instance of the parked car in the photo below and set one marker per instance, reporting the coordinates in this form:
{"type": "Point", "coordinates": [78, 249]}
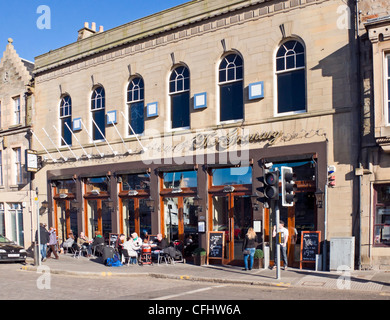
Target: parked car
{"type": "Point", "coordinates": [10, 251]}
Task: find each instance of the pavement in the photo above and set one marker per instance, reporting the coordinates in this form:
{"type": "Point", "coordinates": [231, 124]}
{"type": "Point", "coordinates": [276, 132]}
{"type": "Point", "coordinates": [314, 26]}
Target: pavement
{"type": "Point", "coordinates": [359, 280]}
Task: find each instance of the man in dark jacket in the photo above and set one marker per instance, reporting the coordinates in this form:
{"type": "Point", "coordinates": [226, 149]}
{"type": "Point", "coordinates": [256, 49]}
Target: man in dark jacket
{"type": "Point", "coordinates": [44, 240]}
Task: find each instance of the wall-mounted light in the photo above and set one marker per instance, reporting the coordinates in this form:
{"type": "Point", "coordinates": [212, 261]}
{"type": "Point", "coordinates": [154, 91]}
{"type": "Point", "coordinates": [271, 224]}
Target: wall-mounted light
{"type": "Point", "coordinates": [255, 204]}
{"type": "Point", "coordinates": [177, 190]}
{"type": "Point", "coordinates": [132, 193]}
{"type": "Point", "coordinates": [150, 203]}
{"type": "Point", "coordinates": [228, 189]}
{"type": "Point", "coordinates": [319, 194]}
{"type": "Point", "coordinates": [198, 203]}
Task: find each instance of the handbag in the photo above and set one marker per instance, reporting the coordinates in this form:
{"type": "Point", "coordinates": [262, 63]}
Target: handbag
{"type": "Point", "coordinates": [246, 252]}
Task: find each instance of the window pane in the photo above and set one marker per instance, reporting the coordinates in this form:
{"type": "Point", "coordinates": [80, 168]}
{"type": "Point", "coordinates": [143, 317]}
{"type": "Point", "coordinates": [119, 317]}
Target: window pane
{"type": "Point", "coordinates": [66, 133]}
{"type": "Point", "coordinates": [136, 182]}
{"type": "Point", "coordinates": [99, 118]}
{"type": "Point", "coordinates": [300, 60]}
{"type": "Point", "coordinates": [383, 193]}
{"type": "Point", "coordinates": [290, 61]}
{"type": "Point", "coordinates": [280, 64]}
{"type": "Point", "coordinates": [137, 117]}
{"type": "Point", "coordinates": [180, 110]}
{"type": "Point", "coordinates": [232, 101]}
{"type": "Point", "coordinates": [291, 91]}
{"type": "Point", "coordinates": [184, 179]}
{"type": "Point", "coordinates": [229, 176]}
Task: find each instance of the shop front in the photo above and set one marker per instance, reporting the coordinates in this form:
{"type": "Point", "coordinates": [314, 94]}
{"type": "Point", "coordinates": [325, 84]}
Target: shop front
{"type": "Point", "coordinates": [174, 200]}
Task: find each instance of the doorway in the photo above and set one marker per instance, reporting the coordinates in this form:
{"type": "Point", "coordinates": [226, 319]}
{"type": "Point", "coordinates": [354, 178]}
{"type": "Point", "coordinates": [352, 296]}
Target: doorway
{"type": "Point", "coordinates": [232, 213]}
{"type": "Point", "coordinates": [66, 219]}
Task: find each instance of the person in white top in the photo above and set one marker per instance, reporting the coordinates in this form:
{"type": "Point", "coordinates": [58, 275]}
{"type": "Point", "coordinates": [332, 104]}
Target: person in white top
{"type": "Point", "coordinates": [283, 243]}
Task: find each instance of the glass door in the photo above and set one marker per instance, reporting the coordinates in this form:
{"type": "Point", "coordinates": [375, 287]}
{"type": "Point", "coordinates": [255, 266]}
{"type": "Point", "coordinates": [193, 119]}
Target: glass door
{"type": "Point", "coordinates": [180, 219]}
{"type": "Point", "coordinates": [99, 217]}
{"type": "Point", "coordinates": [136, 216]}
{"type": "Point", "coordinates": [232, 214]}
{"type": "Point", "coordinates": [66, 219]}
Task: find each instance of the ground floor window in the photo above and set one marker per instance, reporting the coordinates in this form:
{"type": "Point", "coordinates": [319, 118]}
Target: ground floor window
{"type": "Point", "coordinates": [2, 219]}
{"type": "Point", "coordinates": [16, 233]}
{"type": "Point", "coordinates": [382, 215]}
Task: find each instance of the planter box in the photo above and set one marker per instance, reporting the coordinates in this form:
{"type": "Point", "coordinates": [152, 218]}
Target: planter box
{"type": "Point", "coordinates": [258, 263]}
{"type": "Point", "coordinates": [199, 260]}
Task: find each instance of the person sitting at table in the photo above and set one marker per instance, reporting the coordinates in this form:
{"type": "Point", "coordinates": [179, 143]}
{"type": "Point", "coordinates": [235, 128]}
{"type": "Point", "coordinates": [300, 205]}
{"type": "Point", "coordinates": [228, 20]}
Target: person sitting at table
{"type": "Point", "coordinates": [84, 243]}
{"type": "Point", "coordinates": [130, 249]}
{"type": "Point", "coordinates": [137, 240]}
{"type": "Point", "coordinates": [119, 244]}
{"type": "Point", "coordinates": [98, 243]}
{"type": "Point", "coordinates": [160, 243]}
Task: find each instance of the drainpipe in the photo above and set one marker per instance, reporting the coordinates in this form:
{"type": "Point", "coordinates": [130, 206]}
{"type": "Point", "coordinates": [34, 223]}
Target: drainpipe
{"type": "Point", "coordinates": [359, 102]}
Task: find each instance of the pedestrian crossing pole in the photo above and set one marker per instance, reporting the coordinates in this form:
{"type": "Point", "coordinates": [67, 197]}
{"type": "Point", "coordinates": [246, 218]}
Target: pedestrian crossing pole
{"type": "Point", "coordinates": [38, 254]}
{"type": "Point", "coordinates": [277, 218]}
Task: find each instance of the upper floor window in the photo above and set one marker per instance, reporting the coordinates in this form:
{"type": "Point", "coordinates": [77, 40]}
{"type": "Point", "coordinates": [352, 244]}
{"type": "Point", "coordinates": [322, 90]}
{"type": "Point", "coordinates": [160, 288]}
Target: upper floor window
{"type": "Point", "coordinates": [18, 172]}
{"type": "Point", "coordinates": [179, 90]}
{"type": "Point", "coordinates": [387, 73]}
{"type": "Point", "coordinates": [1, 168]}
{"type": "Point", "coordinates": [231, 84]}
{"type": "Point", "coordinates": [17, 119]}
{"type": "Point", "coordinates": [291, 77]}
{"type": "Point", "coordinates": [98, 107]}
{"type": "Point", "coordinates": [136, 106]}
{"type": "Point", "coordinates": [66, 120]}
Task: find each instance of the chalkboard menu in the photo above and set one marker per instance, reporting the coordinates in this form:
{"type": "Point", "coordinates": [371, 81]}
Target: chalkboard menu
{"type": "Point", "coordinates": [113, 238]}
{"type": "Point", "coordinates": [215, 244]}
{"type": "Point", "coordinates": [310, 246]}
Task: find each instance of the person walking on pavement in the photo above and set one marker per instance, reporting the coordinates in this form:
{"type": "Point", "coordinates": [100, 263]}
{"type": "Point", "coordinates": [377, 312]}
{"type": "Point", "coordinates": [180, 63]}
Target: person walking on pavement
{"type": "Point", "coordinates": [44, 240]}
{"type": "Point", "coordinates": [283, 243]}
{"type": "Point", "coordinates": [52, 243]}
{"type": "Point", "coordinates": [249, 248]}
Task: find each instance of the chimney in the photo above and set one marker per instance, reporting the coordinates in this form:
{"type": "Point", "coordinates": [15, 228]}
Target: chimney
{"type": "Point", "coordinates": [87, 32]}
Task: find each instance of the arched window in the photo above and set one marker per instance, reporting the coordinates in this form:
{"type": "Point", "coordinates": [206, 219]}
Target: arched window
{"type": "Point", "coordinates": [291, 77]}
{"type": "Point", "coordinates": [135, 102]}
{"type": "Point", "coordinates": [231, 84]}
{"type": "Point", "coordinates": [179, 91]}
{"type": "Point", "coordinates": [98, 107]}
{"type": "Point", "coordinates": [66, 120]}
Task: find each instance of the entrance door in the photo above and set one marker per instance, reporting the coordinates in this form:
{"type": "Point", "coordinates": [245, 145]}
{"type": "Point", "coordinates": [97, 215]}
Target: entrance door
{"type": "Point", "coordinates": [99, 218]}
{"type": "Point", "coordinates": [232, 213]}
{"type": "Point", "coordinates": [180, 219]}
{"type": "Point", "coordinates": [66, 220]}
{"type": "Point", "coordinates": [136, 216]}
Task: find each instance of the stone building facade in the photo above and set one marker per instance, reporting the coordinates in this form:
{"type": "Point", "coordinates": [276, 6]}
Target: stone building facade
{"type": "Point", "coordinates": [16, 103]}
{"type": "Point", "coordinates": [164, 124]}
{"type": "Point", "coordinates": [374, 26]}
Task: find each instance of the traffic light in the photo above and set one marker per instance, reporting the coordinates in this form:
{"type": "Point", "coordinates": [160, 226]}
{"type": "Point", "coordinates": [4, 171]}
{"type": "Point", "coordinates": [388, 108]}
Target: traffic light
{"type": "Point", "coordinates": [288, 186]}
{"type": "Point", "coordinates": [331, 176]}
{"type": "Point", "coordinates": [271, 185]}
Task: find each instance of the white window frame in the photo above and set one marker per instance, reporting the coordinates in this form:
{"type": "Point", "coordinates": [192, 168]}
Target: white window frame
{"type": "Point", "coordinates": [128, 104]}
{"type": "Point", "coordinates": [17, 113]}
{"type": "Point", "coordinates": [276, 73]}
{"type": "Point", "coordinates": [1, 168]}
{"type": "Point", "coordinates": [18, 173]}
{"type": "Point", "coordinates": [93, 109]}
{"type": "Point", "coordinates": [170, 94]}
{"type": "Point", "coordinates": [66, 110]}
{"type": "Point", "coordinates": [219, 84]}
{"type": "Point", "coordinates": [386, 96]}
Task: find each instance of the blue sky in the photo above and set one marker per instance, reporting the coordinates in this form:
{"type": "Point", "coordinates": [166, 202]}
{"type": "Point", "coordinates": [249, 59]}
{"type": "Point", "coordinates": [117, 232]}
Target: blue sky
{"type": "Point", "coordinates": [18, 20]}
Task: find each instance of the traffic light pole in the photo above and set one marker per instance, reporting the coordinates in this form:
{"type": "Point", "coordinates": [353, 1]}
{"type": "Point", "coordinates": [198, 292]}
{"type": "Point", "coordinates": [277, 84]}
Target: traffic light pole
{"type": "Point", "coordinates": [277, 218]}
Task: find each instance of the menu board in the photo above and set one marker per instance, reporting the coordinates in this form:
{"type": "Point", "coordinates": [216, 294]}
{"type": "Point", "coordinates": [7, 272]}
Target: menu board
{"type": "Point", "coordinates": [310, 245]}
{"type": "Point", "coordinates": [215, 244]}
